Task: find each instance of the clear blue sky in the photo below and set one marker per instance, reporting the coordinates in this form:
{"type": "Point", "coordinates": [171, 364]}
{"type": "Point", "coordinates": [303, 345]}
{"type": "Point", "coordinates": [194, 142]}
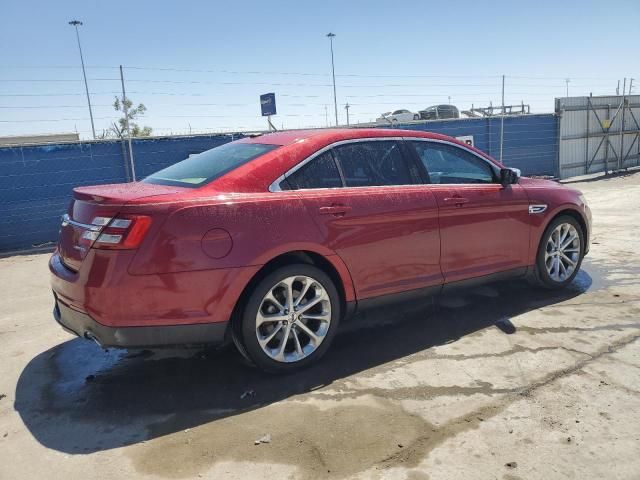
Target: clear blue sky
{"type": "Point", "coordinates": [408, 54]}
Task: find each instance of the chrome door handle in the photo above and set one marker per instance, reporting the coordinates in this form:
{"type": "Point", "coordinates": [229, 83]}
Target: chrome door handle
{"type": "Point", "coordinates": [337, 210]}
{"type": "Point", "coordinates": [456, 200]}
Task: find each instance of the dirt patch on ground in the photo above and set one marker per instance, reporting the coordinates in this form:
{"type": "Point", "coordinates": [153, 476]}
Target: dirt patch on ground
{"type": "Point", "coordinates": [319, 440]}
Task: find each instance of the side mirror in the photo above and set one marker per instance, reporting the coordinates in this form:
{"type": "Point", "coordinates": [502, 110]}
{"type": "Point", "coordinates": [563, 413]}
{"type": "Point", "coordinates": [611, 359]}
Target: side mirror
{"type": "Point", "coordinates": [509, 176]}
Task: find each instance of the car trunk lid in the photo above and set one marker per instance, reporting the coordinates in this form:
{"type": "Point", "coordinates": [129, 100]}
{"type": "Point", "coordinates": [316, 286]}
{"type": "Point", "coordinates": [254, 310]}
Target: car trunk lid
{"type": "Point", "coordinates": [90, 203]}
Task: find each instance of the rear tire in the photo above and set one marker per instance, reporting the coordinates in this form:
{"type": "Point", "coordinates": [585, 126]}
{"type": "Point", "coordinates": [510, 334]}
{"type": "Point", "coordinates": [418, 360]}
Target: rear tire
{"type": "Point", "coordinates": [290, 319]}
{"type": "Point", "coordinates": [560, 254]}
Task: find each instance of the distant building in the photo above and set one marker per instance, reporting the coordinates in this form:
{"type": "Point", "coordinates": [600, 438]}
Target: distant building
{"type": "Point", "coordinates": [31, 139]}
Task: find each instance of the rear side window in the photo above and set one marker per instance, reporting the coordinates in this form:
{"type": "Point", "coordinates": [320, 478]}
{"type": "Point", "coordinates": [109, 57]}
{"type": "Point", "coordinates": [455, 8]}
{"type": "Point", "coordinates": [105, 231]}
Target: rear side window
{"type": "Point", "coordinates": [366, 164]}
{"type": "Point", "coordinates": [450, 164]}
{"type": "Point", "coordinates": [319, 172]}
{"type": "Point", "coordinates": [200, 169]}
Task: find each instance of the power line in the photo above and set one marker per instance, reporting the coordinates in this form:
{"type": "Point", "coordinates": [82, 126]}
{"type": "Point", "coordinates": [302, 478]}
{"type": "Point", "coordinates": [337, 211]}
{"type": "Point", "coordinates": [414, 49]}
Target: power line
{"type": "Point", "coordinates": [55, 120]}
{"type": "Point", "coordinates": [326, 75]}
{"type": "Point", "coordinates": [53, 94]}
{"type": "Point", "coordinates": [206, 82]}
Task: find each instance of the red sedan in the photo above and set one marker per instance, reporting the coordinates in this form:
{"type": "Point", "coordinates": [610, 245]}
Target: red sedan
{"type": "Point", "coordinates": [271, 241]}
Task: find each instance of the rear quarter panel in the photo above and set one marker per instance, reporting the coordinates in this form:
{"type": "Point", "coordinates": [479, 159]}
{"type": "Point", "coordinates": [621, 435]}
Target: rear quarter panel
{"type": "Point", "coordinates": [254, 228]}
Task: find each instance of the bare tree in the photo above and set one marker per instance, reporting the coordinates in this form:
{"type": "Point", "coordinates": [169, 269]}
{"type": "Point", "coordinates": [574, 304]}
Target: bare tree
{"type": "Point", "coordinates": [119, 129]}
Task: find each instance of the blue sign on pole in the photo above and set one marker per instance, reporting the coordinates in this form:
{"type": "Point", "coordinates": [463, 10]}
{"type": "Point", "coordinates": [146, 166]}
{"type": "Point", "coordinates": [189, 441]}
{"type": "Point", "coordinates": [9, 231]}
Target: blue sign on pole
{"type": "Point", "coordinates": [268, 104]}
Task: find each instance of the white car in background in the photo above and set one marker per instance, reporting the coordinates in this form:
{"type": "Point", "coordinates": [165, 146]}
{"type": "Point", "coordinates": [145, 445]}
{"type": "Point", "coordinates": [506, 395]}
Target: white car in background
{"type": "Point", "coordinates": [398, 116]}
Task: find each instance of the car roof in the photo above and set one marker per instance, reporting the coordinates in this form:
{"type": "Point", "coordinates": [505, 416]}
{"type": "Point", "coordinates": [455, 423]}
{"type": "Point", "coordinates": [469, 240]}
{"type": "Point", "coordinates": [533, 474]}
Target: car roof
{"type": "Point", "coordinates": [331, 135]}
{"type": "Point", "coordinates": [295, 145]}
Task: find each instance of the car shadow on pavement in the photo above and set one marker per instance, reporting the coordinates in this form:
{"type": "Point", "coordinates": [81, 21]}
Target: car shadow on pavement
{"type": "Point", "coordinates": [77, 398]}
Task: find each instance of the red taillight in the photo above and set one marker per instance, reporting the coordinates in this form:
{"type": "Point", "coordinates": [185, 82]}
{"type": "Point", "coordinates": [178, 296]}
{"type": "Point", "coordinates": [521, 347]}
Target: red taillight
{"type": "Point", "coordinates": [136, 232]}
{"type": "Point", "coordinates": [122, 232]}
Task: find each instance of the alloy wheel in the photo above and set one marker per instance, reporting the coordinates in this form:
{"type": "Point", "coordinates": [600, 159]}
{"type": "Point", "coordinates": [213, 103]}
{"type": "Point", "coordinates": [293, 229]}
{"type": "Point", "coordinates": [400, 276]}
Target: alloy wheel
{"type": "Point", "coordinates": [293, 318]}
{"type": "Point", "coordinates": [562, 252]}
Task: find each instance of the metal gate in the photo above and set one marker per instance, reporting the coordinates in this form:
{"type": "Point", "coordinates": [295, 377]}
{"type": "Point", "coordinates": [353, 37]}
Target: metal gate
{"type": "Point", "coordinates": [598, 134]}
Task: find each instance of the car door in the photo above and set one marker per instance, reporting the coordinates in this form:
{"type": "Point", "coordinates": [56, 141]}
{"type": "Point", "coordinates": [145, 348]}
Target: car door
{"type": "Point", "coordinates": [369, 207]}
{"type": "Point", "coordinates": [405, 116]}
{"type": "Point", "coordinates": [484, 226]}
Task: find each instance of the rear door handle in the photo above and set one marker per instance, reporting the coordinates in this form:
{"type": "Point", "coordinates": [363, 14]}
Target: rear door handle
{"type": "Point", "coordinates": [456, 200]}
{"type": "Point", "coordinates": [337, 210]}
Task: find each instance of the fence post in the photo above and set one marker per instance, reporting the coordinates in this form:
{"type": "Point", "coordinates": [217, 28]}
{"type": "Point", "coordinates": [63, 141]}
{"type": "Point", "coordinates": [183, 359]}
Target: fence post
{"type": "Point", "coordinates": [621, 155]}
{"type": "Point", "coordinates": [558, 118]}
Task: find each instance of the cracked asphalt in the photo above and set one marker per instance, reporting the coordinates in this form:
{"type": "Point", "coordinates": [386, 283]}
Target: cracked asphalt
{"type": "Point", "coordinates": [499, 381]}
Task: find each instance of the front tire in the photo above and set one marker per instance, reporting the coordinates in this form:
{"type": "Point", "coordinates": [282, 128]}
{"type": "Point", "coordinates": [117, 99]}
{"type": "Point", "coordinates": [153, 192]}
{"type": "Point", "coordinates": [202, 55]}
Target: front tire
{"type": "Point", "coordinates": [560, 253]}
{"type": "Point", "coordinates": [290, 318]}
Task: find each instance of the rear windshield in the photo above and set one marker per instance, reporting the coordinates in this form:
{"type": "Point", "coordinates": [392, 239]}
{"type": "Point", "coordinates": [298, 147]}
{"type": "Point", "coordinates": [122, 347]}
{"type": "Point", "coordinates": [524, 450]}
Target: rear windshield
{"type": "Point", "coordinates": [205, 167]}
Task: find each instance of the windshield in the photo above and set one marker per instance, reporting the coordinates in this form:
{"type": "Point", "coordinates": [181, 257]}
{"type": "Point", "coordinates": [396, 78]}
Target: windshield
{"type": "Point", "coordinates": [205, 167]}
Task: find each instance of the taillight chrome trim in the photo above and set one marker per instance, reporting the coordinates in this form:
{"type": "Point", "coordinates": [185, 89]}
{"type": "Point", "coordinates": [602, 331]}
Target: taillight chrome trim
{"type": "Point", "coordinates": [109, 239]}
{"type": "Point", "coordinates": [121, 223]}
{"type": "Point", "coordinates": [125, 232]}
{"type": "Point", "coordinates": [101, 221]}
{"type": "Point", "coordinates": [67, 220]}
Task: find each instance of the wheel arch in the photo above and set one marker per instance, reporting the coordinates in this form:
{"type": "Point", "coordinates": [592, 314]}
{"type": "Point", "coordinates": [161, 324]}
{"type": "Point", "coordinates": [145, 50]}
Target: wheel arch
{"type": "Point", "coordinates": [579, 218]}
{"type": "Point", "coordinates": [331, 265]}
{"type": "Point", "coordinates": [570, 212]}
{"type": "Point", "coordinates": [535, 275]}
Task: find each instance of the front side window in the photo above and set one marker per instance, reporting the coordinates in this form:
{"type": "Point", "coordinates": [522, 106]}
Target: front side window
{"type": "Point", "coordinates": [450, 164]}
{"type": "Point", "coordinates": [319, 172]}
{"type": "Point", "coordinates": [200, 169]}
{"type": "Point", "coordinates": [366, 164]}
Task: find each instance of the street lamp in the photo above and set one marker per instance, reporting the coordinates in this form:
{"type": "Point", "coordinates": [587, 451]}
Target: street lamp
{"type": "Point", "coordinates": [75, 23]}
{"type": "Point", "coordinates": [333, 73]}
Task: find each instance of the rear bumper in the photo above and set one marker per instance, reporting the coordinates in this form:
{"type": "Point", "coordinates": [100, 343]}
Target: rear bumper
{"type": "Point", "coordinates": [104, 290]}
{"type": "Point", "coordinates": [84, 326]}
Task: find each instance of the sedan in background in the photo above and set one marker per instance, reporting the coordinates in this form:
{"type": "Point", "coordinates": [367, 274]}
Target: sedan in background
{"type": "Point", "coordinates": [270, 242]}
{"type": "Point", "coordinates": [439, 112]}
{"type": "Point", "coordinates": [397, 116]}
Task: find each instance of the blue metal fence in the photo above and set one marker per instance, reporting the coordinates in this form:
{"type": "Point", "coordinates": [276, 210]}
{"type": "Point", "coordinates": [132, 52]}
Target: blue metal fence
{"type": "Point", "coordinates": [36, 181]}
{"type": "Point", "coordinates": [530, 142]}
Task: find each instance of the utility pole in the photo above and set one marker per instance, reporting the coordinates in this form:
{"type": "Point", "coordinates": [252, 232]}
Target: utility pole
{"type": "Point", "coordinates": [333, 74]}
{"type": "Point", "coordinates": [502, 121]}
{"type": "Point", "coordinates": [75, 24]}
{"type": "Point", "coordinates": [326, 116]}
{"type": "Point", "coordinates": [126, 121]}
{"type": "Point", "coordinates": [618, 88]}
{"type": "Point", "coordinates": [346, 107]}
{"type": "Point", "coordinates": [567, 80]}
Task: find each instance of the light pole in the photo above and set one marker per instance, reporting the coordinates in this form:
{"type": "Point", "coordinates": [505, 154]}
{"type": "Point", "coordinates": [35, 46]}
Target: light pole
{"type": "Point", "coordinates": [346, 107]}
{"type": "Point", "coordinates": [567, 80]}
{"type": "Point", "coordinates": [333, 74]}
{"type": "Point", "coordinates": [75, 24]}
{"type": "Point", "coordinates": [502, 121]}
